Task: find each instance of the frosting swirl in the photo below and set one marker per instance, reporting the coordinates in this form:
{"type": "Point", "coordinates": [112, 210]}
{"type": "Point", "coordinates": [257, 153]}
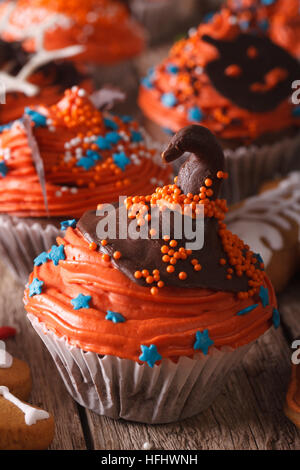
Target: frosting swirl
{"type": "Point", "coordinates": [88, 157]}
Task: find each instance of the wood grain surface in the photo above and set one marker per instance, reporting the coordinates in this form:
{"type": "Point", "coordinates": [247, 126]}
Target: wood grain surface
{"type": "Point", "coordinates": [248, 414]}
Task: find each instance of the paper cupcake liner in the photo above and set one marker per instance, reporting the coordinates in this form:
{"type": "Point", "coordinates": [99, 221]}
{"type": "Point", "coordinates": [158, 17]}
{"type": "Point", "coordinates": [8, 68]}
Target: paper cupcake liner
{"type": "Point", "coordinates": [21, 242]}
{"type": "Point", "coordinates": [162, 18]}
{"type": "Point", "coordinates": [122, 388]}
{"type": "Point", "coordinates": [250, 167]}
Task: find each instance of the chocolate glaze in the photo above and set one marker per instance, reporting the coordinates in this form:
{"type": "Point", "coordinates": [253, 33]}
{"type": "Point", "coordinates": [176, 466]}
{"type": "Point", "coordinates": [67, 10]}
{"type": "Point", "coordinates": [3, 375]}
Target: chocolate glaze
{"type": "Point", "coordinates": [254, 70]}
{"type": "Point", "coordinates": [207, 158]}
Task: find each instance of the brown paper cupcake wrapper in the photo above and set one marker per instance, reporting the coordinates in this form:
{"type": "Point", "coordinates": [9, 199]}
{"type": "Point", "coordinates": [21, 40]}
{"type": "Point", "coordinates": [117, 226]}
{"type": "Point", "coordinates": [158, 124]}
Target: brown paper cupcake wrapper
{"type": "Point", "coordinates": [21, 242]}
{"type": "Point", "coordinates": [121, 388]}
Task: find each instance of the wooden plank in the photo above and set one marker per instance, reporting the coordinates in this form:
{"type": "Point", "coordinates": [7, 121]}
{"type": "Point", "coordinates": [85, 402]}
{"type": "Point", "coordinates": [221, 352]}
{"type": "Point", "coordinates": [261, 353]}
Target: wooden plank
{"type": "Point", "coordinates": [48, 389]}
{"type": "Point", "coordinates": [248, 414]}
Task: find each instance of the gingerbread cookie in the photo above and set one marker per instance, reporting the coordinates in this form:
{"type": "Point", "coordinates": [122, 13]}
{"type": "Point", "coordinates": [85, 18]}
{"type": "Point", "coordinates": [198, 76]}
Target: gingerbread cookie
{"type": "Point", "coordinates": [270, 224]}
{"type": "Point", "coordinates": [22, 426]}
{"type": "Point", "coordinates": [15, 374]}
{"type": "Point", "coordinates": [292, 407]}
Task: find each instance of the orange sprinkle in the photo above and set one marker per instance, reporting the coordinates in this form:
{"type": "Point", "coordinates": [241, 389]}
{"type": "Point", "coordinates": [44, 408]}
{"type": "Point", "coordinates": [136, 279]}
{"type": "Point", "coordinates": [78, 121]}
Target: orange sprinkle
{"type": "Point", "coordinates": [117, 255]}
{"type": "Point", "coordinates": [208, 182]}
{"type": "Point", "coordinates": [164, 249]}
{"type": "Point", "coordinates": [145, 272]}
{"type": "Point", "coordinates": [170, 269]}
{"type": "Point", "coordinates": [106, 257]}
{"type": "Point", "coordinates": [103, 242]}
{"type": "Point", "coordinates": [197, 267]}
{"type": "Point", "coordinates": [149, 279]}
{"type": "Point", "coordinates": [93, 246]}
{"type": "Point", "coordinates": [160, 284]}
{"type": "Point", "coordinates": [173, 243]}
{"type": "Point", "coordinates": [222, 261]}
{"type": "Point", "coordinates": [166, 258]}
{"type": "Point", "coordinates": [138, 274]}
{"type": "Point", "coordinates": [154, 290]}
{"type": "Point", "coordinates": [182, 276]}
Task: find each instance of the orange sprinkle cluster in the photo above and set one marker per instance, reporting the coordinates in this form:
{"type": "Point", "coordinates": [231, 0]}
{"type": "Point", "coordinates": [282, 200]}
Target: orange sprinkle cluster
{"type": "Point", "coordinates": [239, 260]}
{"type": "Point", "coordinates": [77, 124]}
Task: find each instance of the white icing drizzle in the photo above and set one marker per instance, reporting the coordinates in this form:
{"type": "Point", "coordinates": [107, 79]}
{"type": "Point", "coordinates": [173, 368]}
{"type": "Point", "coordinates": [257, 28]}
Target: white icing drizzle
{"type": "Point", "coordinates": [37, 32]}
{"type": "Point", "coordinates": [260, 219]}
{"type": "Point", "coordinates": [32, 415]}
{"type": "Point", "coordinates": [6, 360]}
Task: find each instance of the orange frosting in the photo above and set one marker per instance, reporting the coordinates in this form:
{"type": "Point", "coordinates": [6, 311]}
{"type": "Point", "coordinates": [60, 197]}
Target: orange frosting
{"type": "Point", "coordinates": [170, 319]}
{"type": "Point", "coordinates": [71, 188]}
{"type": "Point", "coordinates": [103, 27]}
{"type": "Point", "coordinates": [49, 93]}
{"type": "Point", "coordinates": [225, 119]}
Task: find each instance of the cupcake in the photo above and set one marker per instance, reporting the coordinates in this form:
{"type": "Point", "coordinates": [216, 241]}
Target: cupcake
{"type": "Point", "coordinates": [59, 161]}
{"type": "Point", "coordinates": [163, 18]}
{"type": "Point", "coordinates": [103, 28]}
{"type": "Point", "coordinates": [231, 77]}
{"type": "Point", "coordinates": [27, 79]}
{"type": "Point", "coordinates": [147, 326]}
{"type": "Point", "coordinates": [292, 406]}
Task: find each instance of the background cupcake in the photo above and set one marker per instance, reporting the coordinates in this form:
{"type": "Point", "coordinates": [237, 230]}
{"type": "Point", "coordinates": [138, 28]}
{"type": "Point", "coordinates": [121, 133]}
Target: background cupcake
{"type": "Point", "coordinates": [145, 328]}
{"type": "Point", "coordinates": [30, 79]}
{"type": "Point", "coordinates": [58, 162]}
{"type": "Point", "coordinates": [104, 29]}
{"type": "Point", "coordinates": [229, 76]}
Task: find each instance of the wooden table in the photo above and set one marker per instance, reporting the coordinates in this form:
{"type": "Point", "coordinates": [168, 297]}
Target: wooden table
{"type": "Point", "coordinates": [248, 414]}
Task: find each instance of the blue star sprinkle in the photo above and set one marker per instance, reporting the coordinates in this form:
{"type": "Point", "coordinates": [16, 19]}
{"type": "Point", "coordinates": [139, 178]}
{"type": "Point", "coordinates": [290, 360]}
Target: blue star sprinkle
{"type": "Point", "coordinates": [136, 136]}
{"type": "Point", "coordinates": [264, 24]}
{"type": "Point", "coordinates": [35, 288]}
{"type": "Point", "coordinates": [264, 296]}
{"type": "Point", "coordinates": [112, 137]}
{"type": "Point", "coordinates": [244, 25]}
{"type": "Point", "coordinates": [126, 119]}
{"type": "Point", "coordinates": [102, 143]}
{"type": "Point", "coordinates": [150, 355]}
{"type": "Point", "coordinates": [247, 309]}
{"type": "Point", "coordinates": [86, 163]}
{"type": "Point", "coordinates": [41, 259]}
{"type": "Point", "coordinates": [111, 124]}
{"type": "Point", "coordinates": [68, 223]}
{"type": "Point", "coordinates": [208, 17]}
{"type": "Point", "coordinates": [168, 100]}
{"type": "Point", "coordinates": [259, 258]}
{"type": "Point", "coordinates": [81, 301]}
{"type": "Point", "coordinates": [168, 131]}
{"type": "Point", "coordinates": [57, 253]}
{"type": "Point", "coordinates": [276, 318]}
{"type": "Point", "coordinates": [296, 112]}
{"type": "Point", "coordinates": [203, 341]}
{"type": "Point", "coordinates": [115, 317]}
{"type": "Point", "coordinates": [147, 83]}
{"type": "Point", "coordinates": [39, 119]}
{"type": "Point", "coordinates": [267, 2]}
{"type": "Point", "coordinates": [121, 160]}
{"type": "Point", "coordinates": [93, 155]}
{"type": "Point", "coordinates": [172, 68]}
{"type": "Point", "coordinates": [3, 169]}
{"type": "Point", "coordinates": [195, 114]}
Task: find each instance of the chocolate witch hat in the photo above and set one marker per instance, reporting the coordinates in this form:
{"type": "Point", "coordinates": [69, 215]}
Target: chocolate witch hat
{"type": "Point", "coordinates": [224, 262]}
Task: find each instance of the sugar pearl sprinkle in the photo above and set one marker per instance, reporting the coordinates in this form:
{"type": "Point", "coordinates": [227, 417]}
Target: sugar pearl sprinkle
{"type": "Point", "coordinates": [97, 147]}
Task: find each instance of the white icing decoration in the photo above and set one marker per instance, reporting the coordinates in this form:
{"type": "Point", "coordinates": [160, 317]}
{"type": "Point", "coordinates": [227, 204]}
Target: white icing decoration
{"type": "Point", "coordinates": [6, 360]}
{"type": "Point", "coordinates": [262, 218]}
{"type": "Point", "coordinates": [32, 415]}
{"type": "Point", "coordinates": [37, 32]}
